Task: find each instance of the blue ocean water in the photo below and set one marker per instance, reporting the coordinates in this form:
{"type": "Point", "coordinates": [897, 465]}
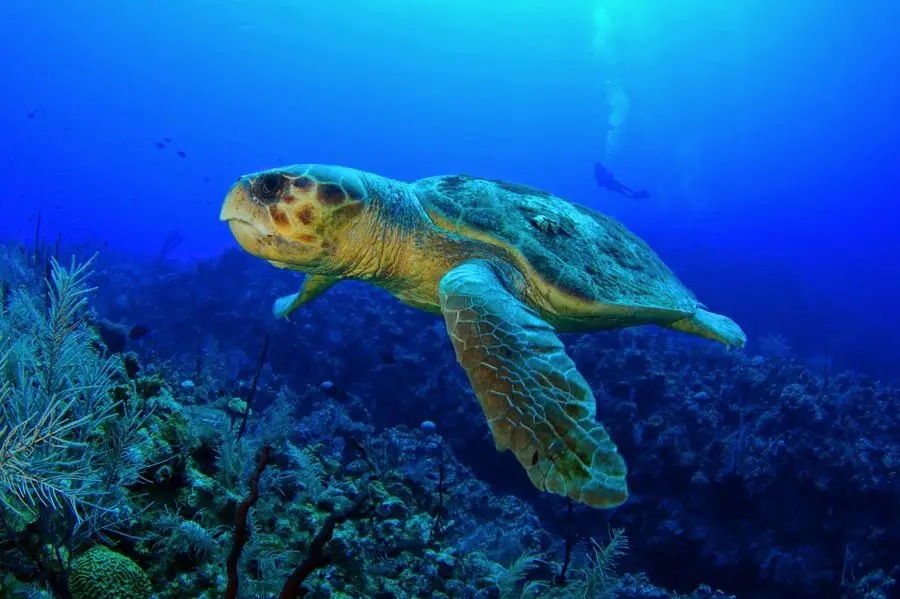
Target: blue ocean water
{"type": "Point", "coordinates": [766, 134]}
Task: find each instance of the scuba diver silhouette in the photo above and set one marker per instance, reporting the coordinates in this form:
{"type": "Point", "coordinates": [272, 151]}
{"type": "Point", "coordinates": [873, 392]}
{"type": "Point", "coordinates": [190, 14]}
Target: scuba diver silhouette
{"type": "Point", "coordinates": [607, 180]}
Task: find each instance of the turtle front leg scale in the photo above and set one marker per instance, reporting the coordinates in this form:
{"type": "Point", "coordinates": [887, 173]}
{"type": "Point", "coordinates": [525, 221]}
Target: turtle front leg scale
{"type": "Point", "coordinates": [536, 402]}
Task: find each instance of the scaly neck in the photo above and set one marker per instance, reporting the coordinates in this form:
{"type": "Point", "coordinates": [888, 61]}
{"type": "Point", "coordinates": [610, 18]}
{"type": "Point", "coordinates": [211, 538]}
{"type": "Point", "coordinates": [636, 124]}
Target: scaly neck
{"type": "Point", "coordinates": [396, 246]}
{"type": "Point", "coordinates": [382, 246]}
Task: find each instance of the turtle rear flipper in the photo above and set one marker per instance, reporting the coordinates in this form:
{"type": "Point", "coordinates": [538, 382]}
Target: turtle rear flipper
{"type": "Point", "coordinates": [537, 404]}
{"type": "Point", "coordinates": [713, 326]}
{"type": "Point", "coordinates": [313, 287]}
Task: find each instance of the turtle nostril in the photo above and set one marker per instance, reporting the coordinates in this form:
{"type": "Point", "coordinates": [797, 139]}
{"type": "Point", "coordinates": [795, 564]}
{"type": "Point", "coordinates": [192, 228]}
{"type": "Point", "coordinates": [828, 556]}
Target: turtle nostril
{"type": "Point", "coordinates": [268, 185]}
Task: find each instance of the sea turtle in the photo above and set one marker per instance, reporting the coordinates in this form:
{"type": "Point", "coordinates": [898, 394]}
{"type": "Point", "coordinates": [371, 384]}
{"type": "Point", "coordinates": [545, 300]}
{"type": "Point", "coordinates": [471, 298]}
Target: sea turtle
{"type": "Point", "coordinates": [508, 266]}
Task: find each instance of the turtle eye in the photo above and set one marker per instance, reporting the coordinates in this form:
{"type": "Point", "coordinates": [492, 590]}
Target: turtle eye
{"type": "Point", "coordinates": [268, 185]}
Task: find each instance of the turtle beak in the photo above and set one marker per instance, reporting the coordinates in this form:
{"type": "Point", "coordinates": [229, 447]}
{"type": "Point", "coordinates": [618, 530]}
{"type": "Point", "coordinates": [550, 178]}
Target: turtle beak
{"type": "Point", "coordinates": [237, 202]}
{"type": "Point", "coordinates": [249, 222]}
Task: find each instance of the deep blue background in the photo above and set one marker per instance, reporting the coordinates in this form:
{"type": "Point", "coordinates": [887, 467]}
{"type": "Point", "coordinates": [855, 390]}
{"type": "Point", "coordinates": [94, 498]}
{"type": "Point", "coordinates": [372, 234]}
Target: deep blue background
{"type": "Point", "coordinates": [766, 130]}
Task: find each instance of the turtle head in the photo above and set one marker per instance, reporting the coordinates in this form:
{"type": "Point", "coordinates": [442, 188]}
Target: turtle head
{"type": "Point", "coordinates": [298, 217]}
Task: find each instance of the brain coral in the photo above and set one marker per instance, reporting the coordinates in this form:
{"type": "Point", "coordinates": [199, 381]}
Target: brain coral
{"type": "Point", "coordinates": [100, 573]}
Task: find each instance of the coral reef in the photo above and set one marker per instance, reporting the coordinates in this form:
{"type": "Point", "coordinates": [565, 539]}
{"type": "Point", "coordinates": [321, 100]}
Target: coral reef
{"type": "Point", "coordinates": [342, 455]}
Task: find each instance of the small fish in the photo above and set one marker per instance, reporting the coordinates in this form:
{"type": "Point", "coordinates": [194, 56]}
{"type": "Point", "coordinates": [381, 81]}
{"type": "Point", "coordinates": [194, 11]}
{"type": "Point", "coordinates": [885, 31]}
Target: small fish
{"type": "Point", "coordinates": [138, 331]}
{"type": "Point", "coordinates": [160, 145]}
{"type": "Point", "coordinates": [132, 366]}
{"type": "Point", "coordinates": [32, 114]}
{"type": "Point", "coordinates": [168, 140]}
{"type": "Point", "coordinates": [330, 389]}
{"type": "Point", "coordinates": [182, 154]}
{"type": "Point", "coordinates": [5, 294]}
{"type": "Point", "coordinates": [112, 335]}
{"type": "Point", "coordinates": [387, 356]}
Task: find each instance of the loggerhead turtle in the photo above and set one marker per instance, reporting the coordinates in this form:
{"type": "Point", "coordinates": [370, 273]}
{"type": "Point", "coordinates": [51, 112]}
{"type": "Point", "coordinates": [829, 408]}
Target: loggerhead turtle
{"type": "Point", "coordinates": [507, 266]}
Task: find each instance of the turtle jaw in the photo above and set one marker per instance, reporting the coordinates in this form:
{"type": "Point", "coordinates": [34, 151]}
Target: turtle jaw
{"type": "Point", "coordinates": [248, 237]}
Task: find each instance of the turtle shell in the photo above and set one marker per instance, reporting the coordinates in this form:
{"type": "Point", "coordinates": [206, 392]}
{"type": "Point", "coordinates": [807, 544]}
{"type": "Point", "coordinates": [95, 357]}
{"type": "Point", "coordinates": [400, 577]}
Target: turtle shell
{"type": "Point", "coordinates": [580, 252]}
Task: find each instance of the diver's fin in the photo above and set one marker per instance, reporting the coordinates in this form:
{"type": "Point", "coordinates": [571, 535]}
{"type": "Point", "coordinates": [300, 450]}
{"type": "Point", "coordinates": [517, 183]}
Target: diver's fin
{"type": "Point", "coordinates": [313, 287]}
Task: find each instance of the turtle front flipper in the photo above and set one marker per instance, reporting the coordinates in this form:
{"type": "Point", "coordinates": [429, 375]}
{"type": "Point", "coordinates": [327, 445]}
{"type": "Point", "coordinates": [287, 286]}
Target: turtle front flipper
{"type": "Point", "coordinates": [313, 287]}
{"type": "Point", "coordinates": [537, 404]}
{"type": "Point", "coordinates": [712, 326]}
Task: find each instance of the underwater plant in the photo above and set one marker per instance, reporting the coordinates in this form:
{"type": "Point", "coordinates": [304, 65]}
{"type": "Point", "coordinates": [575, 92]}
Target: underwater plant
{"type": "Point", "coordinates": [64, 458]}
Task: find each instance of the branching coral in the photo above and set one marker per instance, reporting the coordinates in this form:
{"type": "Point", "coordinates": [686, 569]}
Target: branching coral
{"type": "Point", "coordinates": [241, 528]}
{"type": "Point", "coordinates": [317, 557]}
